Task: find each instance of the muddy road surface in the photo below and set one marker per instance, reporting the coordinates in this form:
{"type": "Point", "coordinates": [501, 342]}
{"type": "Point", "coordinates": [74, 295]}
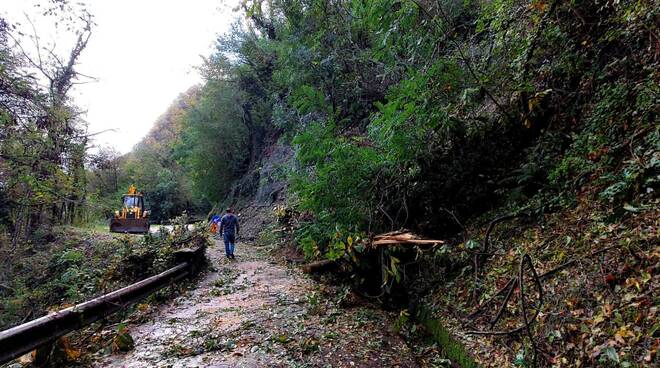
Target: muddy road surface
{"type": "Point", "coordinates": [254, 312]}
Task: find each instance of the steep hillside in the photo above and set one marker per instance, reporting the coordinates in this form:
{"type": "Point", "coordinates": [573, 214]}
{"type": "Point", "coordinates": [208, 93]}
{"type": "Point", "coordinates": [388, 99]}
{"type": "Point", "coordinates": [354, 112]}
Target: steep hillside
{"type": "Point", "coordinates": [523, 134]}
{"type": "Point", "coordinates": [168, 128]}
{"type": "Point", "coordinates": [443, 116]}
{"type": "Point", "coordinates": [508, 149]}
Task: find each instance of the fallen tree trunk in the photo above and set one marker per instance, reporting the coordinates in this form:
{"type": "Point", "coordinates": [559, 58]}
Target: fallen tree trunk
{"type": "Point", "coordinates": [319, 266]}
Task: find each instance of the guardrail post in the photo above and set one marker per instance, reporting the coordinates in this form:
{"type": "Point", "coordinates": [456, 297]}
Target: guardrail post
{"type": "Point", "coordinates": [42, 354]}
{"type": "Point", "coordinates": [195, 258]}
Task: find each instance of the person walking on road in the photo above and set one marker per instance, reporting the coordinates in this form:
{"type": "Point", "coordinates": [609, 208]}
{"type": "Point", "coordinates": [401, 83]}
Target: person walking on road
{"type": "Point", "coordinates": [229, 229]}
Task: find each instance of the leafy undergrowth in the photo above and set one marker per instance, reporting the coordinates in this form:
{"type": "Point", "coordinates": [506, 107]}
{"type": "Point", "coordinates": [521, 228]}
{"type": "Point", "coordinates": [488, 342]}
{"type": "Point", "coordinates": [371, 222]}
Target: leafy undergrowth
{"type": "Point", "coordinates": [79, 264]}
{"type": "Point", "coordinates": [599, 292]}
{"type": "Point", "coordinates": [73, 265]}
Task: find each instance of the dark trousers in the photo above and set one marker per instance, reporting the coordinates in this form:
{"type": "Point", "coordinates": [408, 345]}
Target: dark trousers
{"type": "Point", "coordinates": [230, 243]}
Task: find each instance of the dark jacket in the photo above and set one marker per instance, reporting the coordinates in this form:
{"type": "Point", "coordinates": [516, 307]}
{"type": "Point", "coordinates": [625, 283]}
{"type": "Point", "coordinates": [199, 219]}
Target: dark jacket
{"type": "Point", "coordinates": [229, 224]}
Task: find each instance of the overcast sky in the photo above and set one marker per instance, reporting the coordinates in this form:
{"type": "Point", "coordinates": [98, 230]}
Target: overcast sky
{"type": "Point", "coordinates": [143, 53]}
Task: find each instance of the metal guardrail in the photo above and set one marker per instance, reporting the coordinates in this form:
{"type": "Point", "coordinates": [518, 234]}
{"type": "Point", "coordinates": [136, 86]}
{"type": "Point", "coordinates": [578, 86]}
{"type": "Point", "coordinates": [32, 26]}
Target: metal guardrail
{"type": "Point", "coordinates": [24, 338]}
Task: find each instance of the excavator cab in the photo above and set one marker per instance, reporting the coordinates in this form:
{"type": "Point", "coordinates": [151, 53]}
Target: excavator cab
{"type": "Point", "coordinates": [133, 218]}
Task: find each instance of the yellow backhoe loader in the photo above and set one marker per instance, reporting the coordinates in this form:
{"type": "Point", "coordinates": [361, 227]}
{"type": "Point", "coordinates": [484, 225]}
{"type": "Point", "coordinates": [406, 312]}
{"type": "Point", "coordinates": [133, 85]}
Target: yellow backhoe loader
{"type": "Point", "coordinates": [132, 218]}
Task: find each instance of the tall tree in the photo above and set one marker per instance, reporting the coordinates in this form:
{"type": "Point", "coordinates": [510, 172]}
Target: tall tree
{"type": "Point", "coordinates": [43, 138]}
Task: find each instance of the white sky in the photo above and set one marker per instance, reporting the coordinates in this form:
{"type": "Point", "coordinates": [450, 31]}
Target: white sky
{"type": "Point", "coordinates": [143, 53]}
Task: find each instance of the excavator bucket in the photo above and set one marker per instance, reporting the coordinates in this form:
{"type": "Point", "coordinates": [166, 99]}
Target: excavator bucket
{"type": "Point", "coordinates": [129, 225]}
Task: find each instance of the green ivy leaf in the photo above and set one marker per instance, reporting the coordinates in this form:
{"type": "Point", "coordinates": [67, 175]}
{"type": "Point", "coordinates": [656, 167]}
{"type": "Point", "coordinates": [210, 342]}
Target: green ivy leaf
{"type": "Point", "coordinates": [472, 244]}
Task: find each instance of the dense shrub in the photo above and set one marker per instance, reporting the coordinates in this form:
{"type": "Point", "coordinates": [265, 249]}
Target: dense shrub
{"type": "Point", "coordinates": [80, 264]}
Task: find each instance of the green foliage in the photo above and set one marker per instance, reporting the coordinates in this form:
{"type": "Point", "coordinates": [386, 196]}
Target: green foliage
{"type": "Point", "coordinates": [398, 109]}
{"type": "Point", "coordinates": [402, 320]}
{"type": "Point", "coordinates": [214, 141]}
{"type": "Point", "coordinates": [80, 264]}
{"type": "Point", "coordinates": [71, 256]}
{"type": "Point", "coordinates": [391, 273]}
{"type": "Point", "coordinates": [307, 99]}
{"type": "Point", "coordinates": [598, 148]}
{"type": "Point", "coordinates": [42, 139]}
{"type": "Point", "coordinates": [335, 179]}
{"type": "Point", "coordinates": [309, 246]}
{"type": "Point", "coordinates": [416, 113]}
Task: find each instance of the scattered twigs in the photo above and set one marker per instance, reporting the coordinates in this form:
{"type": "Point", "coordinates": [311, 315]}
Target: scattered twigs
{"type": "Point", "coordinates": [101, 325]}
{"type": "Point", "coordinates": [491, 227]}
{"type": "Point", "coordinates": [382, 210]}
{"type": "Point", "coordinates": [3, 286]}
{"type": "Point", "coordinates": [571, 262]}
{"type": "Point", "coordinates": [495, 333]}
{"type": "Point", "coordinates": [512, 286]}
{"type": "Point", "coordinates": [463, 230]}
{"type": "Point", "coordinates": [490, 300]}
{"type": "Point", "coordinates": [364, 294]}
{"type": "Point", "coordinates": [481, 256]}
{"type": "Point", "coordinates": [476, 288]}
{"type": "Point", "coordinates": [519, 281]}
{"type": "Point", "coordinates": [28, 315]}
{"type": "Point", "coordinates": [526, 259]}
{"type": "Point", "coordinates": [546, 275]}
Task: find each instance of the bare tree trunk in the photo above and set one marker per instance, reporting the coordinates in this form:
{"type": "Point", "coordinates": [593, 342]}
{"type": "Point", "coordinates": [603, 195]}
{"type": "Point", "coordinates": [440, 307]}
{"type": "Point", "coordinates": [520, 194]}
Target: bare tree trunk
{"type": "Point", "coordinates": [18, 226]}
{"type": "Point", "coordinates": [28, 226]}
{"type": "Point", "coordinates": [115, 184]}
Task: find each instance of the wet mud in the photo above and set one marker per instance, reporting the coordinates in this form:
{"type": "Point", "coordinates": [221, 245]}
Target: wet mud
{"type": "Point", "coordinates": [254, 312]}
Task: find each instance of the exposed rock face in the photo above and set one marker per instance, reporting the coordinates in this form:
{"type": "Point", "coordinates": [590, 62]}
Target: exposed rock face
{"type": "Point", "coordinates": [255, 194]}
{"type": "Point", "coordinates": [266, 183]}
{"type": "Point", "coordinates": [272, 181]}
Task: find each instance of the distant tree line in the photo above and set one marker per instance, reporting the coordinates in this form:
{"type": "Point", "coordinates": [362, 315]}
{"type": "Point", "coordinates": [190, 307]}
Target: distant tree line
{"type": "Point", "coordinates": [151, 166]}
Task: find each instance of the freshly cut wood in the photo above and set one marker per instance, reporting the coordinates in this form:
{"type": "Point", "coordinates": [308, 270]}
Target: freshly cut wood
{"type": "Point", "coordinates": [319, 266]}
{"type": "Point", "coordinates": [402, 237]}
{"type": "Point", "coordinates": [402, 233]}
{"type": "Point", "coordinates": [404, 241]}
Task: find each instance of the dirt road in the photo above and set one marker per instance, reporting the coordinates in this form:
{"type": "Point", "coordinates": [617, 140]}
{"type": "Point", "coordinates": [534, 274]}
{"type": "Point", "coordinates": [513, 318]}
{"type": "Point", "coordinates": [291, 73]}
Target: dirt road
{"type": "Point", "coordinates": [253, 312]}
